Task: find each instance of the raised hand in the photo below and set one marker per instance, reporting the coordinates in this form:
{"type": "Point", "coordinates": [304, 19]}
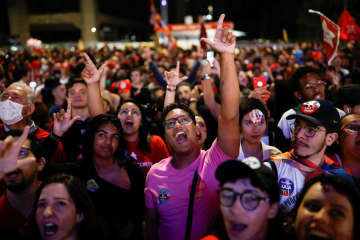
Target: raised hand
{"type": "Point", "coordinates": [90, 73]}
{"type": "Point", "coordinates": [9, 151]}
{"type": "Point", "coordinates": [63, 120]}
{"type": "Point", "coordinates": [224, 41]}
{"type": "Point", "coordinates": [172, 78]}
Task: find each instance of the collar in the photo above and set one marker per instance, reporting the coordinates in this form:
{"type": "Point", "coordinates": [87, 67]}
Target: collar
{"type": "Point", "coordinates": [328, 163]}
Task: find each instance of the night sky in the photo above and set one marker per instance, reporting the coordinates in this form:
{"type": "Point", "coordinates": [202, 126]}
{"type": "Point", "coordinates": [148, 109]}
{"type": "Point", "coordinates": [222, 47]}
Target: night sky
{"type": "Point", "coordinates": [258, 18]}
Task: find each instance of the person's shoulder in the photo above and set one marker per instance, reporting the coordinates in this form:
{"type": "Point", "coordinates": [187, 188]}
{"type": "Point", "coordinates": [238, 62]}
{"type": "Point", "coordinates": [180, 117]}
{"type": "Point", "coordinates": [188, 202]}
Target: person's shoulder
{"type": "Point", "coordinates": [155, 139]}
{"type": "Point", "coordinates": [161, 166]}
{"type": "Point", "coordinates": [281, 157]}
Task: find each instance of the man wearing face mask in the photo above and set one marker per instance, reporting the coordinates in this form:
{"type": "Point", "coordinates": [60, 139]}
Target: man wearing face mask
{"type": "Point", "coordinates": [16, 108]}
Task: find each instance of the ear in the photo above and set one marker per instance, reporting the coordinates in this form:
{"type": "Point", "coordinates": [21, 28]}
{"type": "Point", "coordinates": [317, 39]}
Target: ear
{"type": "Point", "coordinates": [31, 109]}
{"type": "Point", "coordinates": [331, 138]}
{"type": "Point", "coordinates": [42, 163]}
{"type": "Point", "coordinates": [79, 217]}
{"type": "Point", "coordinates": [273, 211]}
{"type": "Point", "coordinates": [197, 131]}
{"type": "Point", "coordinates": [297, 94]}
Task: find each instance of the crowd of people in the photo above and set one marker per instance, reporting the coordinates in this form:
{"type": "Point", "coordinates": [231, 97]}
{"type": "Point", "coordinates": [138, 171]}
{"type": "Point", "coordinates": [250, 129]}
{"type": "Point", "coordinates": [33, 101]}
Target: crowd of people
{"type": "Point", "coordinates": [159, 143]}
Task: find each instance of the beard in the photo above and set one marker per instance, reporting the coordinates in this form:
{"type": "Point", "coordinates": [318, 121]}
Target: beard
{"type": "Point", "coordinates": [316, 151]}
{"type": "Point", "coordinates": [20, 185]}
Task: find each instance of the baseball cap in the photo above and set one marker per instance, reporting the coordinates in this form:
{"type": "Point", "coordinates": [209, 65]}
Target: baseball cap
{"type": "Point", "coordinates": [124, 86]}
{"type": "Point", "coordinates": [65, 65]}
{"type": "Point", "coordinates": [259, 174]}
{"type": "Point", "coordinates": [319, 113]}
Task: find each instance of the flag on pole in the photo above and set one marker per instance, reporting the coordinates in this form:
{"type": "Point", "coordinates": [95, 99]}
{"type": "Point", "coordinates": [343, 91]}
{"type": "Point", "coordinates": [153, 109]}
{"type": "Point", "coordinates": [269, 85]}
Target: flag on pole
{"type": "Point", "coordinates": [349, 29]}
{"type": "Point", "coordinates": [331, 36]}
{"type": "Point", "coordinates": [160, 28]}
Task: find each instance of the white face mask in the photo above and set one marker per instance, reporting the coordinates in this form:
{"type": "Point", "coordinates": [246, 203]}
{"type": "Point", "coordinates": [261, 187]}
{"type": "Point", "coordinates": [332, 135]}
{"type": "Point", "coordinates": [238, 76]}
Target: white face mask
{"type": "Point", "coordinates": [10, 112]}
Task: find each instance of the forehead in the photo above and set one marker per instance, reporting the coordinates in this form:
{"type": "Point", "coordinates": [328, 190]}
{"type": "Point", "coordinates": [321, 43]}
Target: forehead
{"type": "Point", "coordinates": [241, 185]}
{"type": "Point", "coordinates": [109, 128]}
{"type": "Point", "coordinates": [16, 90]}
{"type": "Point", "coordinates": [26, 144]}
{"type": "Point", "coordinates": [175, 113]}
{"type": "Point", "coordinates": [57, 190]}
{"type": "Point", "coordinates": [184, 88]}
{"type": "Point", "coordinates": [310, 78]}
{"type": "Point", "coordinates": [129, 105]}
{"type": "Point", "coordinates": [328, 194]}
{"type": "Point", "coordinates": [78, 86]}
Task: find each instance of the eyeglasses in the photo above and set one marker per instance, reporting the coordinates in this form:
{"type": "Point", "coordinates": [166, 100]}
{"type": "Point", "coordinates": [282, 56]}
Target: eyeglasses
{"type": "Point", "coordinates": [23, 153]}
{"type": "Point", "coordinates": [133, 112]}
{"type": "Point", "coordinates": [308, 130]}
{"type": "Point", "coordinates": [352, 129]}
{"type": "Point", "coordinates": [319, 83]}
{"type": "Point", "coordinates": [249, 199]}
{"type": "Point", "coordinates": [170, 123]}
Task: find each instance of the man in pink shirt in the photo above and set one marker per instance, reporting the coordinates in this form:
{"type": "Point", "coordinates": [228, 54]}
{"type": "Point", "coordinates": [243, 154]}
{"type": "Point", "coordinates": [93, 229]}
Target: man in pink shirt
{"type": "Point", "coordinates": [169, 182]}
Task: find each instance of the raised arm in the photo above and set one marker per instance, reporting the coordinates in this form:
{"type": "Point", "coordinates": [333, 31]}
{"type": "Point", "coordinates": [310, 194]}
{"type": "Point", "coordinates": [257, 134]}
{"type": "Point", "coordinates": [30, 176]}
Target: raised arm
{"type": "Point", "coordinates": [228, 122]}
{"type": "Point", "coordinates": [9, 151]}
{"type": "Point", "coordinates": [92, 75]}
{"type": "Point", "coordinates": [209, 96]}
{"type": "Point", "coordinates": [172, 79]}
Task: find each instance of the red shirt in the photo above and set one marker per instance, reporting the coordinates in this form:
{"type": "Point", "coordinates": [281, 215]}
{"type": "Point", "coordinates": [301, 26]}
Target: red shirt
{"type": "Point", "coordinates": [11, 219]}
{"type": "Point", "coordinates": [145, 160]}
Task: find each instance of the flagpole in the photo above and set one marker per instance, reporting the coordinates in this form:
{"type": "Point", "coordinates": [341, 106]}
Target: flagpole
{"type": "Point", "coordinates": [345, 4]}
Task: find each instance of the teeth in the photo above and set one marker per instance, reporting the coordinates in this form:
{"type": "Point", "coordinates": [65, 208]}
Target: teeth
{"type": "Point", "coordinates": [179, 134]}
{"type": "Point", "coordinates": [50, 228]}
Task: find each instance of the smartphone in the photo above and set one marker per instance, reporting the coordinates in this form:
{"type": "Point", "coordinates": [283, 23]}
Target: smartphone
{"type": "Point", "coordinates": [259, 82]}
{"type": "Point", "coordinates": [210, 57]}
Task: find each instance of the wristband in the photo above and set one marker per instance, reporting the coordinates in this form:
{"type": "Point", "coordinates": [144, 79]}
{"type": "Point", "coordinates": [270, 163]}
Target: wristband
{"type": "Point", "coordinates": [171, 89]}
{"type": "Point", "coordinates": [205, 76]}
{"type": "Point", "coordinates": [193, 100]}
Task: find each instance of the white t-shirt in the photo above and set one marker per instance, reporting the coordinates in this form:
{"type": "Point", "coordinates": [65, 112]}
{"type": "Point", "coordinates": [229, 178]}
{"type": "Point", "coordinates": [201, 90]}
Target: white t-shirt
{"type": "Point", "coordinates": [266, 149]}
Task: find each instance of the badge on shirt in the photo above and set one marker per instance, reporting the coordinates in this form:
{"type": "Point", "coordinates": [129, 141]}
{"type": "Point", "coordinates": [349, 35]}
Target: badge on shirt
{"type": "Point", "coordinates": [92, 186]}
{"type": "Point", "coordinates": [164, 196]}
{"type": "Point", "coordinates": [286, 186]}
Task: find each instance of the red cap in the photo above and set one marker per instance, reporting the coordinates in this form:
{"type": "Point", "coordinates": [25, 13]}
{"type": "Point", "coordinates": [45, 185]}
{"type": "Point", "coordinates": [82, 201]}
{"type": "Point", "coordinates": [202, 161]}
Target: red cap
{"type": "Point", "coordinates": [111, 64]}
{"type": "Point", "coordinates": [65, 65]}
{"type": "Point", "coordinates": [124, 86]}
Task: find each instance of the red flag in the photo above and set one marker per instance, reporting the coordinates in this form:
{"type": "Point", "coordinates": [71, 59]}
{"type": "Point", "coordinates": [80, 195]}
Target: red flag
{"type": "Point", "coordinates": [331, 36]}
{"type": "Point", "coordinates": [349, 29]}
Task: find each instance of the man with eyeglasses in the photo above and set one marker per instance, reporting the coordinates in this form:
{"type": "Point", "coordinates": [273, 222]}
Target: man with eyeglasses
{"type": "Point", "coordinates": [21, 160]}
{"type": "Point", "coordinates": [17, 104]}
{"type": "Point", "coordinates": [190, 170]}
{"type": "Point", "coordinates": [249, 201]}
{"type": "Point", "coordinates": [315, 128]}
{"type": "Point", "coordinates": [350, 144]}
{"type": "Point", "coordinates": [306, 85]}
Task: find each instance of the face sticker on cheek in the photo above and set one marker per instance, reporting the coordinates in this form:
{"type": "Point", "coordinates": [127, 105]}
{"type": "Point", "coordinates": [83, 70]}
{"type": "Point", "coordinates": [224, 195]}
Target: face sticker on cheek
{"type": "Point", "coordinates": [256, 116]}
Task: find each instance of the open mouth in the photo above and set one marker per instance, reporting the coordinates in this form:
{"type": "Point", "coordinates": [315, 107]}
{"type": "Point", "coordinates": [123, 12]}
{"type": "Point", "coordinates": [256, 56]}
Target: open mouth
{"type": "Point", "coordinates": [12, 175]}
{"type": "Point", "coordinates": [50, 229]}
{"type": "Point", "coordinates": [129, 123]}
{"type": "Point", "coordinates": [237, 227]}
{"type": "Point", "coordinates": [180, 137]}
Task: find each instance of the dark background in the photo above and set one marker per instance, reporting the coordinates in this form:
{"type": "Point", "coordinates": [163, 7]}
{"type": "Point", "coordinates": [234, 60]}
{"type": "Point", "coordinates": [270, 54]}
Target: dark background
{"type": "Point", "coordinates": [258, 18]}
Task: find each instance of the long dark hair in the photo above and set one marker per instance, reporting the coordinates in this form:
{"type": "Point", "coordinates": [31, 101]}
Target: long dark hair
{"type": "Point", "coordinates": [94, 126]}
{"type": "Point", "coordinates": [90, 227]}
{"type": "Point", "coordinates": [144, 135]}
